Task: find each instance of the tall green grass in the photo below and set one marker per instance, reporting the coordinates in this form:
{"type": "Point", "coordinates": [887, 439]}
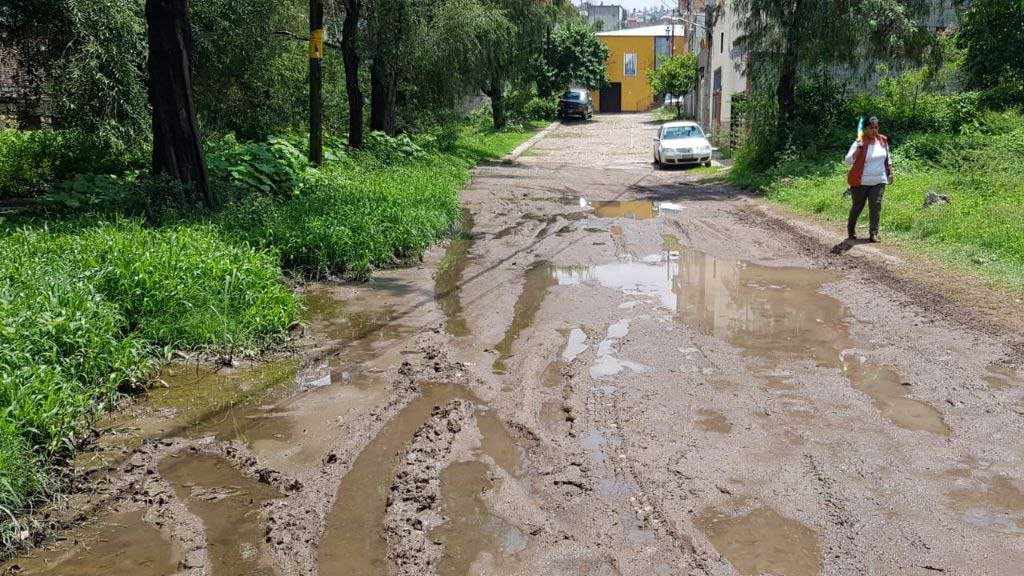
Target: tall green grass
{"type": "Point", "coordinates": [83, 311]}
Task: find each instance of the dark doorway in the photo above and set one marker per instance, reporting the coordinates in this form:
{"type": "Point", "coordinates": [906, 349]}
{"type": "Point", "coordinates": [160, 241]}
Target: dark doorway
{"type": "Point", "coordinates": [611, 97]}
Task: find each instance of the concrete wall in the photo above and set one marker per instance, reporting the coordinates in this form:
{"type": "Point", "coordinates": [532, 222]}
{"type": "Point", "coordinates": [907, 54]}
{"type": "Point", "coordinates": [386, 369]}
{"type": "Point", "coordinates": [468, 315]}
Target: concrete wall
{"type": "Point", "coordinates": [727, 61]}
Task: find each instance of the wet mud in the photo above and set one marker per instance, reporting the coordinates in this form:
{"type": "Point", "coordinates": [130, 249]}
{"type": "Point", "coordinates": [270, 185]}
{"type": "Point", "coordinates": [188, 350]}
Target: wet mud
{"type": "Point", "coordinates": [996, 505]}
{"type": "Point", "coordinates": [121, 543]}
{"type": "Point", "coordinates": [450, 271]}
{"type": "Point", "coordinates": [472, 529]}
{"type": "Point", "coordinates": [354, 541]}
{"type": "Point", "coordinates": [763, 542]}
{"type": "Point", "coordinates": [538, 280]}
{"type": "Point", "coordinates": [774, 315]}
{"type": "Point", "coordinates": [230, 506]}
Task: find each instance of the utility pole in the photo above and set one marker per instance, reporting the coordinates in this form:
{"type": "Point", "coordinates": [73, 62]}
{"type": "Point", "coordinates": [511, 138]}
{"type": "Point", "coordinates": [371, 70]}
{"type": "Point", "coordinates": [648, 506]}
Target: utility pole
{"type": "Point", "coordinates": [316, 82]}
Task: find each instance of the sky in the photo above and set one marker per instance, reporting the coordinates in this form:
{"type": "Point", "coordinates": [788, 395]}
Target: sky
{"type": "Point", "coordinates": [630, 4]}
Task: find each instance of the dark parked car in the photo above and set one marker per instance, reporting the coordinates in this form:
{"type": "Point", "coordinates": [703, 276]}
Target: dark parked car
{"type": "Point", "coordinates": [576, 103]}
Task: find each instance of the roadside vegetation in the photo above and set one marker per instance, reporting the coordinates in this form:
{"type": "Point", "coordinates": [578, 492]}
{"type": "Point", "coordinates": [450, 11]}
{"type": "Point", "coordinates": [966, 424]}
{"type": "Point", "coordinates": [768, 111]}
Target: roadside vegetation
{"type": "Point", "coordinates": [112, 258]}
{"type": "Point", "coordinates": [956, 129]}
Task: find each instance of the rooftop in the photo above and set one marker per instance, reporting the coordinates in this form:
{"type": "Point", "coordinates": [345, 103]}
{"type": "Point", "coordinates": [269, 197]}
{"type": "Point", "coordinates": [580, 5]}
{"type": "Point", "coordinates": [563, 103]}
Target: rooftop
{"type": "Point", "coordinates": [659, 30]}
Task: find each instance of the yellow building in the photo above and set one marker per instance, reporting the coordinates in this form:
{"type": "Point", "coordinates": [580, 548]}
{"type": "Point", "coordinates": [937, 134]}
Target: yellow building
{"type": "Point", "coordinates": [631, 53]}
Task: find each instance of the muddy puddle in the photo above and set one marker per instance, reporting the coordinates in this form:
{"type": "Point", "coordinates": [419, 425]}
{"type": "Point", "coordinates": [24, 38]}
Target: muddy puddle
{"type": "Point", "coordinates": [1001, 377]}
{"type": "Point", "coordinates": [773, 315]}
{"type": "Point", "coordinates": [763, 542]}
{"type": "Point", "coordinates": [538, 280]}
{"type": "Point", "coordinates": [116, 544]}
{"type": "Point", "coordinates": [353, 541]}
{"type": "Point", "coordinates": [711, 421]}
{"type": "Point", "coordinates": [448, 280]}
{"type": "Point", "coordinates": [631, 209]}
{"type": "Point", "coordinates": [231, 508]}
{"type": "Point", "coordinates": [472, 530]}
{"type": "Point", "coordinates": [888, 390]}
{"type": "Point", "coordinates": [997, 506]}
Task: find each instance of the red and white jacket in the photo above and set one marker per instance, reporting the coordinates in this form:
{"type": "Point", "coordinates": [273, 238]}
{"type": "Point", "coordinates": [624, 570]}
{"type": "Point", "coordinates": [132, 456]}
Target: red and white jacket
{"type": "Point", "coordinates": [858, 156]}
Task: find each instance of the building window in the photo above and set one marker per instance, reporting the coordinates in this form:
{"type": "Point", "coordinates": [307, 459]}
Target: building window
{"type": "Point", "coordinates": [629, 64]}
{"type": "Point", "coordinates": [721, 43]}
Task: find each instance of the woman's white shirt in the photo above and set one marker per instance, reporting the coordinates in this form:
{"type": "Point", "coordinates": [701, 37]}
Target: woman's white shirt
{"type": "Point", "coordinates": [874, 164]}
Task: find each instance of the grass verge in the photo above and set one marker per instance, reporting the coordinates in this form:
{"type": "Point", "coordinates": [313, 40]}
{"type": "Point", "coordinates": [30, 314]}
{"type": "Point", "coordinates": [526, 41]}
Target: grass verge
{"type": "Point", "coordinates": [981, 229]}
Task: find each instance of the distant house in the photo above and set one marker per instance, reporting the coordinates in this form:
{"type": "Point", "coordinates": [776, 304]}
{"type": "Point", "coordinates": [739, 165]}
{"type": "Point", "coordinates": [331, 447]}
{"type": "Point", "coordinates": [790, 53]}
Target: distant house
{"type": "Point", "coordinates": [632, 53]}
{"type": "Point", "coordinates": [611, 17]}
{"type": "Point", "coordinates": [713, 27]}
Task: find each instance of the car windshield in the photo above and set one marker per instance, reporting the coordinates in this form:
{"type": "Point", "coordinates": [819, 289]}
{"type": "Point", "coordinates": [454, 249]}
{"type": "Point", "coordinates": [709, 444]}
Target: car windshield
{"type": "Point", "coordinates": [574, 96]}
{"type": "Point", "coordinates": [676, 132]}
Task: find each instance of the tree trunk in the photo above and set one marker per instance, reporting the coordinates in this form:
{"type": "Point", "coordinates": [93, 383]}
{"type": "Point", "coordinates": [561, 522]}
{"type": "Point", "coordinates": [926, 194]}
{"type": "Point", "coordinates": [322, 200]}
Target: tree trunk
{"type": "Point", "coordinates": [388, 32]}
{"type": "Point", "coordinates": [383, 95]}
{"type": "Point", "coordinates": [786, 90]}
{"type": "Point", "coordinates": [496, 93]}
{"type": "Point", "coordinates": [350, 56]}
{"type": "Point", "coordinates": [177, 149]}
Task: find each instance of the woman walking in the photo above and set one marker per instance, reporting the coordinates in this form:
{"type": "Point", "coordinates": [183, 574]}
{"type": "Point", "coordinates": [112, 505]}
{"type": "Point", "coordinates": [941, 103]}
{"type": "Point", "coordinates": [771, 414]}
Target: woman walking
{"type": "Point", "coordinates": [871, 172]}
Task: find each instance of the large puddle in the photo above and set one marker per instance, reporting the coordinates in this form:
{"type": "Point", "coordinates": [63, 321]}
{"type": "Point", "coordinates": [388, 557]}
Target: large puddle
{"type": "Point", "coordinates": [448, 281]}
{"type": "Point", "coordinates": [763, 542]}
{"type": "Point", "coordinates": [231, 508]}
{"type": "Point", "coordinates": [117, 544]}
{"type": "Point", "coordinates": [353, 542]}
{"type": "Point", "coordinates": [775, 315]}
{"type": "Point", "coordinates": [998, 507]}
{"type": "Point", "coordinates": [471, 530]}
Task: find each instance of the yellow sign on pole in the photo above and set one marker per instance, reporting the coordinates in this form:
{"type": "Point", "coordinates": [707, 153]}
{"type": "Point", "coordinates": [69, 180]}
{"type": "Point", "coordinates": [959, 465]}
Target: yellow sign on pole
{"type": "Point", "coordinates": [316, 45]}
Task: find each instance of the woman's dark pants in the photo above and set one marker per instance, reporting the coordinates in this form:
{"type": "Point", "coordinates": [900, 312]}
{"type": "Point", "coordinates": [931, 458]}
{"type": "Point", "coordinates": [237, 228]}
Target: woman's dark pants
{"type": "Point", "coordinates": [872, 195]}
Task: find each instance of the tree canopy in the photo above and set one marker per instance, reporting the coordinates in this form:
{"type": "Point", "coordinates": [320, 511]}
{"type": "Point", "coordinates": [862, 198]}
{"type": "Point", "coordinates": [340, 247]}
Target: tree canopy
{"type": "Point", "coordinates": [573, 56]}
{"type": "Point", "coordinates": [788, 36]}
{"type": "Point", "coordinates": [677, 76]}
{"type": "Point", "coordinates": [992, 36]}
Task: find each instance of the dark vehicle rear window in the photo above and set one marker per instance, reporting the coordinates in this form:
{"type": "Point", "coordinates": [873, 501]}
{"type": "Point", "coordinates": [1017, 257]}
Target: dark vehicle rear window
{"type": "Point", "coordinates": [575, 96]}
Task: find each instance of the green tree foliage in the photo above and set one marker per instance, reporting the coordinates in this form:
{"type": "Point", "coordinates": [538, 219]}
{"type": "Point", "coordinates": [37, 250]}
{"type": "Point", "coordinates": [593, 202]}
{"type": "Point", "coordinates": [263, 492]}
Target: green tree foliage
{"type": "Point", "coordinates": [992, 36]}
{"type": "Point", "coordinates": [88, 58]}
{"type": "Point", "coordinates": [249, 79]}
{"type": "Point", "coordinates": [790, 36]}
{"type": "Point", "coordinates": [573, 56]}
{"type": "Point", "coordinates": [449, 47]}
{"type": "Point", "coordinates": [503, 61]}
{"type": "Point", "coordinates": [677, 76]}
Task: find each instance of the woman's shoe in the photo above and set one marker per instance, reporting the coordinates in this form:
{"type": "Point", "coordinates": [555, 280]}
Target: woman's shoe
{"type": "Point", "coordinates": [874, 238]}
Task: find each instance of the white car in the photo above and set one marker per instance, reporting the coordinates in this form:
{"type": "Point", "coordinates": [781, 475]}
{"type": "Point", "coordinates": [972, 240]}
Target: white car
{"type": "Point", "coordinates": [681, 143]}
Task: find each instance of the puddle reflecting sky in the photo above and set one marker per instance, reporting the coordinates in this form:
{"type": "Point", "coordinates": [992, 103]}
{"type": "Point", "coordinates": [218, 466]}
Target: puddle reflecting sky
{"type": "Point", "coordinates": [773, 314]}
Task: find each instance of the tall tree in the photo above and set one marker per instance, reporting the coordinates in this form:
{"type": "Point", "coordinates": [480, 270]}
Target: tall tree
{"type": "Point", "coordinates": [677, 76]}
{"type": "Point", "coordinates": [507, 59]}
{"type": "Point", "coordinates": [992, 36]}
{"type": "Point", "coordinates": [177, 149]}
{"type": "Point", "coordinates": [572, 56]}
{"type": "Point", "coordinates": [352, 59]}
{"type": "Point", "coordinates": [389, 32]}
{"type": "Point", "coordinates": [787, 36]}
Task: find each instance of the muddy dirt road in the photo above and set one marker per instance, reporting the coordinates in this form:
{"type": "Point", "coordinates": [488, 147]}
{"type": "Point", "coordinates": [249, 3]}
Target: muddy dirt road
{"type": "Point", "coordinates": [615, 370]}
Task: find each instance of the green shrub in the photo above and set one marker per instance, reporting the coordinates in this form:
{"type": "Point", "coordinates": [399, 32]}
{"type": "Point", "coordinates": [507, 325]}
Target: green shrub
{"type": "Point", "coordinates": [271, 167]}
{"type": "Point", "coordinates": [392, 149]}
{"type": "Point", "coordinates": [541, 109]}
{"type": "Point", "coordinates": [35, 159]}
